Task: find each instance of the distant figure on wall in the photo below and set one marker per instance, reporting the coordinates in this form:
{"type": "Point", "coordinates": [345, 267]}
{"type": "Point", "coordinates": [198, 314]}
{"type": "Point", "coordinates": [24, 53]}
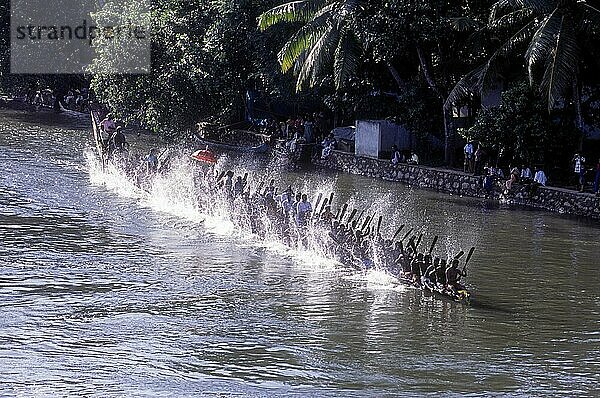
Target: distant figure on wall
{"type": "Point", "coordinates": [397, 157]}
{"type": "Point", "coordinates": [468, 150]}
{"type": "Point", "coordinates": [579, 169]}
{"type": "Point", "coordinates": [540, 177]}
{"type": "Point", "coordinates": [414, 159]}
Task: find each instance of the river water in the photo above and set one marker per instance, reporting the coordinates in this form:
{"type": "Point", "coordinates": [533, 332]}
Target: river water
{"type": "Point", "coordinates": [108, 291]}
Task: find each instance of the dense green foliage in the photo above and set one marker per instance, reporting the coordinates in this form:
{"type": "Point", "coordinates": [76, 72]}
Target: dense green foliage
{"type": "Point", "coordinates": [521, 131]}
{"type": "Point", "coordinates": [407, 60]}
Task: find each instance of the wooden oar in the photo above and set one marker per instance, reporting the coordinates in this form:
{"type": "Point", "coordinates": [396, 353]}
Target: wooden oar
{"type": "Point", "coordinates": [323, 205]}
{"type": "Point", "coordinates": [360, 216]}
{"type": "Point", "coordinates": [260, 187]}
{"type": "Point", "coordinates": [365, 223]}
{"type": "Point", "coordinates": [406, 236]}
{"type": "Point", "coordinates": [468, 258]}
{"type": "Point", "coordinates": [398, 232]}
{"type": "Point", "coordinates": [419, 241]}
{"type": "Point", "coordinates": [370, 220]}
{"type": "Point", "coordinates": [459, 255]}
{"type": "Point", "coordinates": [351, 216]}
{"type": "Point", "coordinates": [411, 243]}
{"type": "Point", "coordinates": [330, 199]}
{"type": "Point", "coordinates": [379, 224]}
{"type": "Point", "coordinates": [435, 239]}
{"type": "Point", "coordinates": [221, 176]}
{"type": "Point", "coordinates": [318, 200]}
{"type": "Point", "coordinates": [343, 213]}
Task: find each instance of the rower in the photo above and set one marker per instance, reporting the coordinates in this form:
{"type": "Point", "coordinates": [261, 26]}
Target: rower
{"type": "Point", "coordinates": [239, 186]}
{"type": "Point", "coordinates": [229, 181]}
{"type": "Point", "coordinates": [440, 273]}
{"type": "Point", "coordinates": [365, 250]}
{"type": "Point", "coordinates": [118, 139]}
{"type": "Point", "coordinates": [270, 190]}
{"type": "Point", "coordinates": [303, 211]}
{"type": "Point", "coordinates": [428, 278]}
{"type": "Point", "coordinates": [151, 162]}
{"type": "Point", "coordinates": [425, 264]}
{"type": "Point", "coordinates": [453, 275]}
{"type": "Point", "coordinates": [117, 142]}
{"type": "Point", "coordinates": [327, 215]}
{"type": "Point", "coordinates": [415, 268]}
{"type": "Point", "coordinates": [286, 201]}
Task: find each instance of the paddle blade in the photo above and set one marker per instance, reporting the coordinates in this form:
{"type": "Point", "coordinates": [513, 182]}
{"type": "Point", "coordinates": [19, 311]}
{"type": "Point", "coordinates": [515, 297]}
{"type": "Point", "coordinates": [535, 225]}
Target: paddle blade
{"type": "Point", "coordinates": [435, 239]}
{"type": "Point", "coordinates": [352, 216]}
{"type": "Point", "coordinates": [398, 232]}
{"type": "Point", "coordinates": [459, 255]}
{"type": "Point", "coordinates": [469, 256]}
{"type": "Point", "coordinates": [408, 233]}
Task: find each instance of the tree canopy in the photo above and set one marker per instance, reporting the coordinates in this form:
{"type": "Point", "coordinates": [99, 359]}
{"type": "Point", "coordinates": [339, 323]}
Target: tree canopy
{"type": "Point", "coordinates": [408, 60]}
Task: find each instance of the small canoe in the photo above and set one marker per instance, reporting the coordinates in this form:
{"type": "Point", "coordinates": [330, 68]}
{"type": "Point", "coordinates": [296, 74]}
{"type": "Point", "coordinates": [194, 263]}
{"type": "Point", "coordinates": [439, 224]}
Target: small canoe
{"type": "Point", "coordinates": [262, 148]}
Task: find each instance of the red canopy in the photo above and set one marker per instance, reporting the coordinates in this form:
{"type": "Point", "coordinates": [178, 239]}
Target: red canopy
{"type": "Point", "coordinates": [205, 156]}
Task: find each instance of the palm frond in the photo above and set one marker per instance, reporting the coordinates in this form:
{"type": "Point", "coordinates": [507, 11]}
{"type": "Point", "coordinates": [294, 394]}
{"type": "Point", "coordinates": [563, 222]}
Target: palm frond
{"type": "Point", "coordinates": [465, 87]}
{"type": "Point", "coordinates": [293, 11]}
{"type": "Point", "coordinates": [561, 65]}
{"type": "Point", "coordinates": [346, 58]}
{"type": "Point", "coordinates": [485, 77]}
{"type": "Point", "coordinates": [303, 40]}
{"type": "Point", "coordinates": [543, 41]}
{"type": "Point", "coordinates": [590, 15]}
{"type": "Point", "coordinates": [317, 56]}
{"type": "Point", "coordinates": [511, 19]}
{"type": "Point", "coordinates": [463, 24]}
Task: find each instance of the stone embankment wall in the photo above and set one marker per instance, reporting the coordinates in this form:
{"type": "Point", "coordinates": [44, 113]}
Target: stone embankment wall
{"type": "Point", "coordinates": [554, 199]}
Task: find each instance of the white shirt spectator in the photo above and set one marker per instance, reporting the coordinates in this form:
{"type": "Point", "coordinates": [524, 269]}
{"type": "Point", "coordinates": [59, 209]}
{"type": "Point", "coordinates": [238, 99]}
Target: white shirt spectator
{"type": "Point", "coordinates": [579, 161]}
{"type": "Point", "coordinates": [540, 177]}
{"type": "Point", "coordinates": [526, 172]}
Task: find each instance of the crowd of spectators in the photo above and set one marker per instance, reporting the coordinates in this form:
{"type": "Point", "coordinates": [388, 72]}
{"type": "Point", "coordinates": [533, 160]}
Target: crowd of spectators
{"type": "Point", "coordinates": [474, 158]}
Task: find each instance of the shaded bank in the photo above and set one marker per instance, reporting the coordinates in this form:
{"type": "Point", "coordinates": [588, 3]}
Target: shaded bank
{"type": "Point", "coordinates": [558, 200]}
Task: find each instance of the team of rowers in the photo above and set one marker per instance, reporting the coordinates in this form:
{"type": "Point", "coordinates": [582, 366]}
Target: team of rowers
{"type": "Point", "coordinates": [291, 218]}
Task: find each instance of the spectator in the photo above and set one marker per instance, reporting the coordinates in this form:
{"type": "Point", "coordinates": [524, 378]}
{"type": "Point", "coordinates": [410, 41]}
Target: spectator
{"type": "Point", "coordinates": [525, 173]}
{"type": "Point", "coordinates": [328, 145]}
{"type": "Point", "coordinates": [308, 130]}
{"type": "Point", "coordinates": [488, 181]}
{"type": "Point", "coordinates": [468, 150]}
{"type": "Point", "coordinates": [414, 159]}
{"type": "Point", "coordinates": [579, 170]}
{"type": "Point", "coordinates": [397, 157]}
{"type": "Point", "coordinates": [514, 177]}
{"type": "Point", "coordinates": [540, 176]}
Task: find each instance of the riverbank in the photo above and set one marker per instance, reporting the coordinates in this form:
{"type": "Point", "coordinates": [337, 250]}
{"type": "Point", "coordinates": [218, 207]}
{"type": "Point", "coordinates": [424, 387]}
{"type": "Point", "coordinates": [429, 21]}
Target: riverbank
{"type": "Point", "coordinates": [453, 182]}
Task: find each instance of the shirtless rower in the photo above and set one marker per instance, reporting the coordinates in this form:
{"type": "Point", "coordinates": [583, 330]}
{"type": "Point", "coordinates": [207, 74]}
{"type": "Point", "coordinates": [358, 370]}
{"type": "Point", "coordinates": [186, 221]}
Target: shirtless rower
{"type": "Point", "coordinates": [415, 268]}
{"type": "Point", "coordinates": [453, 275]}
{"type": "Point", "coordinates": [327, 215]}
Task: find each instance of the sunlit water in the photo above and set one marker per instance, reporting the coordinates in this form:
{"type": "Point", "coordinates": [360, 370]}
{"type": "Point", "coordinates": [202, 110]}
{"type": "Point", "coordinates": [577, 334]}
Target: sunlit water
{"type": "Point", "coordinates": [108, 290]}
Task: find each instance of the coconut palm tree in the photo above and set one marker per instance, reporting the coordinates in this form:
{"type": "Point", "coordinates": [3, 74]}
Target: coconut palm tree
{"type": "Point", "coordinates": [550, 35]}
{"type": "Point", "coordinates": [327, 39]}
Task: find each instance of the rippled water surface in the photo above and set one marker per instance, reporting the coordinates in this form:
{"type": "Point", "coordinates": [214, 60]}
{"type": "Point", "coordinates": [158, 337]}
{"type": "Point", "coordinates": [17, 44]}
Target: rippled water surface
{"type": "Point", "coordinates": [108, 291]}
